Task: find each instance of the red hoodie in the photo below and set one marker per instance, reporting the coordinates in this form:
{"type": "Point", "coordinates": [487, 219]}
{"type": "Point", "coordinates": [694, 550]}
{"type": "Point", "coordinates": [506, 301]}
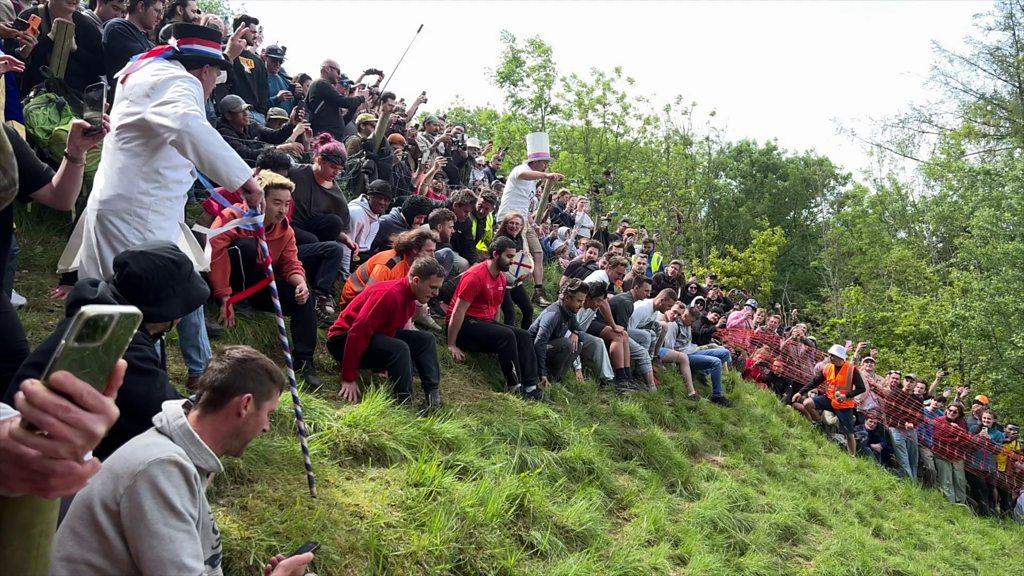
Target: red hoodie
{"type": "Point", "coordinates": [280, 240]}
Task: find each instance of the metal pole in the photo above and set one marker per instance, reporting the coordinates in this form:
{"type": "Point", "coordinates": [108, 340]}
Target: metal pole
{"type": "Point", "coordinates": [395, 69]}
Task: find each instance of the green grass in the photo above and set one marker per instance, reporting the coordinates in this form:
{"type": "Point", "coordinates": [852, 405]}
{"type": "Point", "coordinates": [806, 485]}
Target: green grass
{"type": "Point", "coordinates": [584, 484]}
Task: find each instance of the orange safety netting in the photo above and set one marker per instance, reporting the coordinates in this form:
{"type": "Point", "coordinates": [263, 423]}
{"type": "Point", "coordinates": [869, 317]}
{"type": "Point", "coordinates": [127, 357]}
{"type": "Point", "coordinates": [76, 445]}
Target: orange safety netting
{"type": "Point", "coordinates": [798, 362]}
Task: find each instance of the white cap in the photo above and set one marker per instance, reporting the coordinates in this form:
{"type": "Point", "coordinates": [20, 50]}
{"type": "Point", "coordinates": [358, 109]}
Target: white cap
{"type": "Point", "coordinates": [538, 146]}
{"type": "Point", "coordinates": [472, 142]}
{"type": "Point", "coordinates": [838, 350]}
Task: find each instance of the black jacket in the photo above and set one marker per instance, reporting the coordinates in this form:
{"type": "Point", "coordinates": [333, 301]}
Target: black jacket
{"type": "Point", "coordinates": [463, 241]}
{"type": "Point", "coordinates": [254, 139]}
{"type": "Point", "coordinates": [146, 383]}
{"type": "Point", "coordinates": [325, 105]}
{"type": "Point", "coordinates": [250, 83]}
{"type": "Point", "coordinates": [390, 224]}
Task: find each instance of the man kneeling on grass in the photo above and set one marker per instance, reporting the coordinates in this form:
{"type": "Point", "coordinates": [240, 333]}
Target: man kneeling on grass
{"type": "Point", "coordinates": [556, 333]}
{"type": "Point", "coordinates": [370, 333]}
{"type": "Point", "coordinates": [146, 511]}
{"type": "Point", "coordinates": [237, 267]}
{"type": "Point", "coordinates": [471, 324]}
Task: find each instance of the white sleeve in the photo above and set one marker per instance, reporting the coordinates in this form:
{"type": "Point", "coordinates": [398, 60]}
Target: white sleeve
{"type": "Point", "coordinates": [7, 411]}
{"type": "Point", "coordinates": [180, 120]}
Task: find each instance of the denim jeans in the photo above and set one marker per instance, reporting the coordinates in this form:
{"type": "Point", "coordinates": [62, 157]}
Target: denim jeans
{"type": "Point", "coordinates": [904, 446]}
{"type": "Point", "coordinates": [446, 258]}
{"type": "Point", "coordinates": [702, 361]}
{"type": "Point", "coordinates": [195, 345]}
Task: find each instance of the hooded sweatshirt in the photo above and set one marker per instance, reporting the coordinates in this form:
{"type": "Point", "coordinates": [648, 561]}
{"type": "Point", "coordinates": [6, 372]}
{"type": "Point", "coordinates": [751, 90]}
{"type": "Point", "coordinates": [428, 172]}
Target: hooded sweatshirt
{"type": "Point", "coordinates": [146, 383]}
{"type": "Point", "coordinates": [365, 222]}
{"type": "Point", "coordinates": [392, 223]}
{"type": "Point", "coordinates": [146, 511]}
{"type": "Point", "coordinates": [280, 240]}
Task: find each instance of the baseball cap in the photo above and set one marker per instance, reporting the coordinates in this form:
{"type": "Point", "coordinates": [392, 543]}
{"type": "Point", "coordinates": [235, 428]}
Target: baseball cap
{"type": "Point", "coordinates": [277, 114]}
{"type": "Point", "coordinates": [232, 103]}
{"type": "Point", "coordinates": [869, 359]}
{"type": "Point", "coordinates": [276, 51]}
{"type": "Point", "coordinates": [472, 142]}
{"type": "Point", "coordinates": [430, 120]}
{"type": "Point", "coordinates": [753, 304]}
{"type": "Point", "coordinates": [365, 117]}
{"type": "Point", "coordinates": [982, 399]}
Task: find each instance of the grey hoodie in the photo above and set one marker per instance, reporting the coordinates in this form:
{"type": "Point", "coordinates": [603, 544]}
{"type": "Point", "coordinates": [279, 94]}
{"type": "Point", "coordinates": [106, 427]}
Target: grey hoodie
{"type": "Point", "coordinates": [146, 511]}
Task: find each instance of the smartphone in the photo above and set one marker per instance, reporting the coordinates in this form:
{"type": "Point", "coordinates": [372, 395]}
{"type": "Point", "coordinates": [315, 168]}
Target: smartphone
{"type": "Point", "coordinates": [94, 103]}
{"type": "Point", "coordinates": [95, 340]}
{"type": "Point", "coordinates": [31, 25]}
{"type": "Point", "coordinates": [311, 546]}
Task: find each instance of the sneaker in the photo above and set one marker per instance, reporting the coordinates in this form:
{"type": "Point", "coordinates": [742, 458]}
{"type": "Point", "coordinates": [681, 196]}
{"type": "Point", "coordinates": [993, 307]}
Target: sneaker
{"type": "Point", "coordinates": [721, 401]}
{"type": "Point", "coordinates": [214, 329]}
{"type": "Point", "coordinates": [433, 402]}
{"type": "Point", "coordinates": [428, 323]}
{"type": "Point", "coordinates": [540, 298]}
{"type": "Point", "coordinates": [437, 311]}
{"type": "Point", "coordinates": [694, 397]}
{"type": "Point", "coordinates": [244, 309]}
{"type": "Point", "coordinates": [514, 390]}
{"type": "Point", "coordinates": [325, 311]}
{"type": "Point", "coordinates": [17, 300]}
{"type": "Point", "coordinates": [306, 369]}
{"type": "Point", "coordinates": [535, 393]}
{"type": "Point", "coordinates": [193, 382]}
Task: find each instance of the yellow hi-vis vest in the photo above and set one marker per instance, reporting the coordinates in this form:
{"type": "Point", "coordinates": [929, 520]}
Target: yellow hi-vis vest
{"type": "Point", "coordinates": [488, 233]}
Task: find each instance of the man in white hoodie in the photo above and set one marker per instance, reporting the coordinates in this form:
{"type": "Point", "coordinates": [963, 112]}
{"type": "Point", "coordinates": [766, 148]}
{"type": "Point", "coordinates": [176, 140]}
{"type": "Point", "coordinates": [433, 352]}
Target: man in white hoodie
{"type": "Point", "coordinates": [146, 511]}
{"type": "Point", "coordinates": [365, 212]}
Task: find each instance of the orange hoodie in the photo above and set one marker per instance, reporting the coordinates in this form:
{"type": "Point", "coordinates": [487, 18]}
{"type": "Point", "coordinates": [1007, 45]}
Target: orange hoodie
{"type": "Point", "coordinates": [280, 240]}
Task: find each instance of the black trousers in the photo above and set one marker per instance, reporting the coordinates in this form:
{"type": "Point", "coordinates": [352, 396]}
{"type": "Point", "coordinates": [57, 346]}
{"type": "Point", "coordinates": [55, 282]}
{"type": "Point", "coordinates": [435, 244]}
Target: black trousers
{"type": "Point", "coordinates": [246, 271]}
{"type": "Point", "coordinates": [513, 346]}
{"type": "Point", "coordinates": [980, 491]}
{"type": "Point", "coordinates": [14, 348]}
{"type": "Point", "coordinates": [322, 262]}
{"type": "Point", "coordinates": [517, 296]}
{"type": "Point", "coordinates": [559, 357]}
{"type": "Point", "coordinates": [322, 228]}
{"type": "Point", "coordinates": [397, 356]}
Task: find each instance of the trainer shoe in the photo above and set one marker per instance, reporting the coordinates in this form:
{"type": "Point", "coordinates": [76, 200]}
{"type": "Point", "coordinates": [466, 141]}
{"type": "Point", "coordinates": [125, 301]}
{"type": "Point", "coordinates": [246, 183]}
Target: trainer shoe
{"type": "Point", "coordinates": [534, 393]}
{"type": "Point", "coordinates": [326, 314]}
{"type": "Point", "coordinates": [540, 297]}
{"type": "Point", "coordinates": [17, 300]}
{"type": "Point", "coordinates": [721, 401]}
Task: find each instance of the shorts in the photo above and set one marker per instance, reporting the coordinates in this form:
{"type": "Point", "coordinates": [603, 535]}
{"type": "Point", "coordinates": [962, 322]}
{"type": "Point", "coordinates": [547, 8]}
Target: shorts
{"type": "Point", "coordinates": [532, 240]}
{"type": "Point", "coordinates": [596, 327]}
{"type": "Point", "coordinates": [846, 416]}
{"type": "Point", "coordinates": [662, 352]}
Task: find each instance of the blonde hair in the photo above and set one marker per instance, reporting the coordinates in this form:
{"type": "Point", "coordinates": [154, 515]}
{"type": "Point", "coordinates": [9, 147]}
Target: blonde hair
{"type": "Point", "coordinates": [268, 179]}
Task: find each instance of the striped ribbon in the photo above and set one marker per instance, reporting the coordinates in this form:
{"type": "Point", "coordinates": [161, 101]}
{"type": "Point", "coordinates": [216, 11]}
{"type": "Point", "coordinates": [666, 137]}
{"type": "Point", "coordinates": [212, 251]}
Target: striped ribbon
{"type": "Point", "coordinates": [259, 232]}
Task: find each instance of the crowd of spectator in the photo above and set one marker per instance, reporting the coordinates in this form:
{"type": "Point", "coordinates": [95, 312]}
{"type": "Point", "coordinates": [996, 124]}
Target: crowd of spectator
{"type": "Point", "coordinates": [388, 228]}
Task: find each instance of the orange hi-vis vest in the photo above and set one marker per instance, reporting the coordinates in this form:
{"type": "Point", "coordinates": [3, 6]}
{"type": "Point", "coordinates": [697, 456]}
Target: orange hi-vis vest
{"type": "Point", "coordinates": [841, 381]}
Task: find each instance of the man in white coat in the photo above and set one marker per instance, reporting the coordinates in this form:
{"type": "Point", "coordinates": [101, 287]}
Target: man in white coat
{"type": "Point", "coordinates": [159, 136]}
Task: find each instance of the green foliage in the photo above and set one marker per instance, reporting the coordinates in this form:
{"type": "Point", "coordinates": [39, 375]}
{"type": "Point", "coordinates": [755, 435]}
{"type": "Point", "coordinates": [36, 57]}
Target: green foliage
{"type": "Point", "coordinates": [753, 267]}
{"type": "Point", "coordinates": [222, 8]}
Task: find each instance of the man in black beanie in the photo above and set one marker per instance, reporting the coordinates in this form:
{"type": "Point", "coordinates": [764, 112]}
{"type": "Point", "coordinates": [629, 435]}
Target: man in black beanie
{"type": "Point", "coordinates": [413, 213]}
{"type": "Point", "coordinates": [158, 279]}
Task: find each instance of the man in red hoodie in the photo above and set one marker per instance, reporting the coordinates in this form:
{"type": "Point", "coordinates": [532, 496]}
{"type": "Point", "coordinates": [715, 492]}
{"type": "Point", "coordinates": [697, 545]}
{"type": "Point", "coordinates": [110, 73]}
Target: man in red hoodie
{"type": "Point", "coordinates": [237, 271]}
{"type": "Point", "coordinates": [370, 333]}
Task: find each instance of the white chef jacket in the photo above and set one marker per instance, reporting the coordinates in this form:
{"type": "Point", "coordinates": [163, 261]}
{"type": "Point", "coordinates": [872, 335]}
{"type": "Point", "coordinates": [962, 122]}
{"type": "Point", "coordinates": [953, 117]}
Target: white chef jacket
{"type": "Point", "coordinates": [159, 133]}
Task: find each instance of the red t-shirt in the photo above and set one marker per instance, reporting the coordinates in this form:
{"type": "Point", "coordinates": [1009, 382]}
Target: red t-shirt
{"type": "Point", "coordinates": [485, 292]}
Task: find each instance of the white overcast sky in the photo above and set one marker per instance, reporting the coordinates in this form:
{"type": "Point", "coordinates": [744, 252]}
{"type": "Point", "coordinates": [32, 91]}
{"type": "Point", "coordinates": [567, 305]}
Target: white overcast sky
{"type": "Point", "coordinates": [783, 70]}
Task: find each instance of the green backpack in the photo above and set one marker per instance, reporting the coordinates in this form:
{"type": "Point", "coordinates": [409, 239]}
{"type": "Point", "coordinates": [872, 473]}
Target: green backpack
{"type": "Point", "coordinates": [48, 118]}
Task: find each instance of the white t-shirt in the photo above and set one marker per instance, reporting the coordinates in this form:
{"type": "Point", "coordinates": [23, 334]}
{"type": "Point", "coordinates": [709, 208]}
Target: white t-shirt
{"type": "Point", "coordinates": [584, 225]}
{"type": "Point", "coordinates": [599, 276]}
{"type": "Point", "coordinates": [518, 193]}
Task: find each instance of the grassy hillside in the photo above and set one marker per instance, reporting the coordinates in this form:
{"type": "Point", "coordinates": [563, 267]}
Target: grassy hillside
{"type": "Point", "coordinates": [584, 484]}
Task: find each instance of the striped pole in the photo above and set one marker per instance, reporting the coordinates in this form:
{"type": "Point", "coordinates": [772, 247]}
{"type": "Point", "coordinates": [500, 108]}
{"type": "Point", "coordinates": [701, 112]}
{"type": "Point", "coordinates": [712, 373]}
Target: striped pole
{"type": "Point", "coordinates": [300, 422]}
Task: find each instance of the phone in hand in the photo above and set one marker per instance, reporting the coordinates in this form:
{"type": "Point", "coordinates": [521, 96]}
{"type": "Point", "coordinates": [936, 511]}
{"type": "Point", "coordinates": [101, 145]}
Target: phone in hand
{"type": "Point", "coordinates": [31, 25]}
{"type": "Point", "coordinates": [95, 340]}
{"type": "Point", "coordinates": [311, 546]}
{"type": "Point", "coordinates": [94, 104]}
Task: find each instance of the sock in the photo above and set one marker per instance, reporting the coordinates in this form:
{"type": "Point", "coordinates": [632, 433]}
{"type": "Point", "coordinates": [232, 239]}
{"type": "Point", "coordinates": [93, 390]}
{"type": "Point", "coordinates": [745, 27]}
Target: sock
{"type": "Point", "coordinates": [530, 388]}
{"type": "Point", "coordinates": [622, 374]}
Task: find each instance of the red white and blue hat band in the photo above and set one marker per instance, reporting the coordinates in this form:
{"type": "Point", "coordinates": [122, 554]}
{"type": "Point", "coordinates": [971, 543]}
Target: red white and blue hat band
{"type": "Point", "coordinates": [182, 46]}
{"type": "Point", "coordinates": [538, 156]}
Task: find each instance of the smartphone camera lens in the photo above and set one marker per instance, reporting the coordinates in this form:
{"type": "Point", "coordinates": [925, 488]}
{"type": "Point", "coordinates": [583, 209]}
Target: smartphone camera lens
{"type": "Point", "coordinates": [94, 330]}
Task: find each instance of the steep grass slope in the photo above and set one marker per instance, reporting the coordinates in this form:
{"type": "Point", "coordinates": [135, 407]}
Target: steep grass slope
{"type": "Point", "coordinates": [584, 484]}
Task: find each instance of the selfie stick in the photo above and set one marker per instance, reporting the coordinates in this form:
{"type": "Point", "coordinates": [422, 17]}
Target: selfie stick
{"type": "Point", "coordinates": [395, 69]}
{"type": "Point", "coordinates": [300, 422]}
